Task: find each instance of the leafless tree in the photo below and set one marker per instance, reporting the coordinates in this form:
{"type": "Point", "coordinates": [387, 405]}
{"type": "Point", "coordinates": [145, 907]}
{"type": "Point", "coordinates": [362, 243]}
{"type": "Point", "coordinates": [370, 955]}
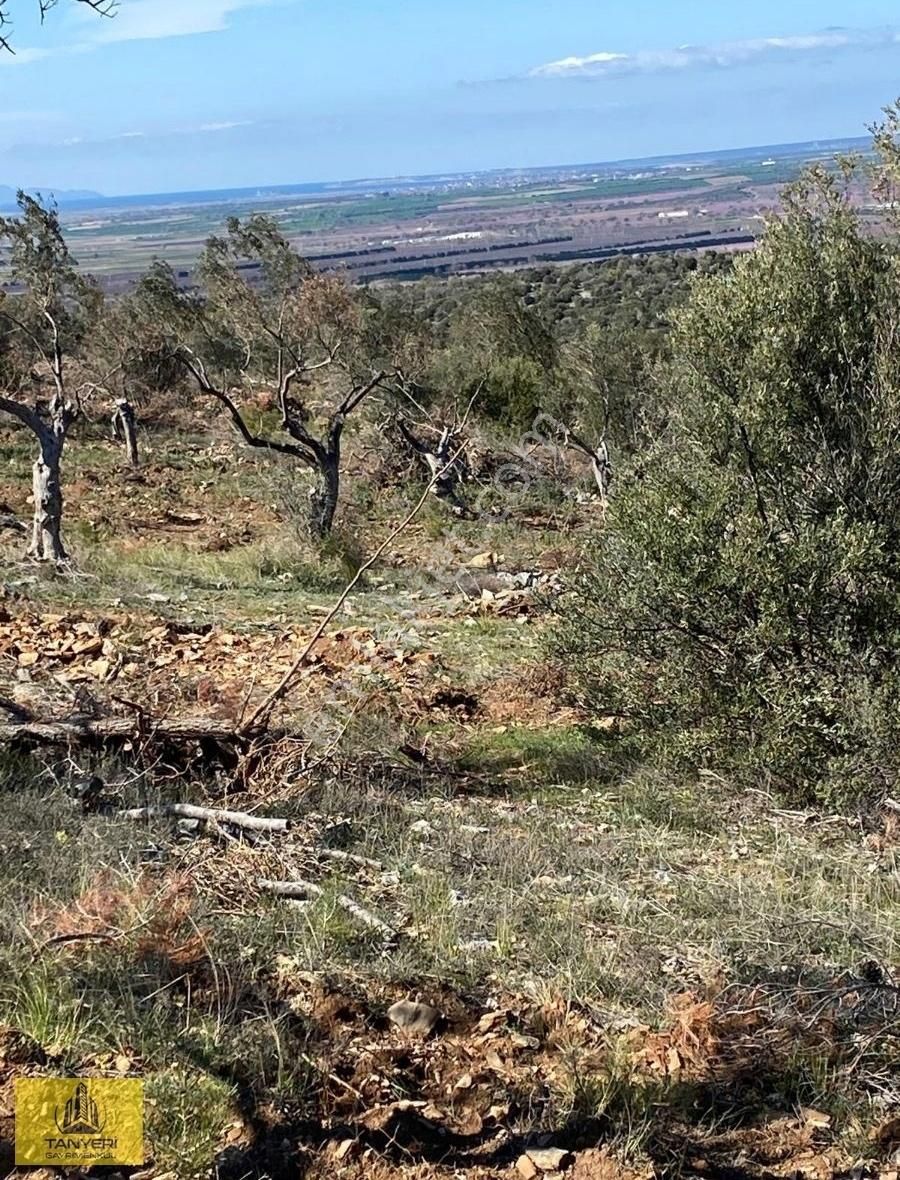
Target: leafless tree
{"type": "Point", "coordinates": [446, 472]}
{"type": "Point", "coordinates": [263, 322]}
{"type": "Point", "coordinates": [103, 7]}
{"type": "Point", "coordinates": [41, 327]}
{"type": "Point", "coordinates": [124, 429]}
{"type": "Point", "coordinates": [601, 466]}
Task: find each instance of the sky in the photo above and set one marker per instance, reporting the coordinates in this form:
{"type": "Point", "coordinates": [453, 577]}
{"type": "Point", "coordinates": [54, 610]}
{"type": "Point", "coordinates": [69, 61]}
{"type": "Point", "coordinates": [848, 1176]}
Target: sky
{"type": "Point", "coordinates": [175, 95]}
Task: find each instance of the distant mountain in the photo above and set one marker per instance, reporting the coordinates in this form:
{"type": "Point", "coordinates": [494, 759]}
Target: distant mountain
{"type": "Point", "coordinates": [62, 196]}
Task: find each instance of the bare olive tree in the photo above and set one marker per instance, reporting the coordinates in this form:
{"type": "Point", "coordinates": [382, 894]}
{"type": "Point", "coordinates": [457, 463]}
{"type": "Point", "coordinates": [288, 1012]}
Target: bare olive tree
{"type": "Point", "coordinates": [103, 7]}
{"type": "Point", "coordinates": [262, 321]}
{"type": "Point", "coordinates": [43, 319]}
{"type": "Point", "coordinates": [126, 373]}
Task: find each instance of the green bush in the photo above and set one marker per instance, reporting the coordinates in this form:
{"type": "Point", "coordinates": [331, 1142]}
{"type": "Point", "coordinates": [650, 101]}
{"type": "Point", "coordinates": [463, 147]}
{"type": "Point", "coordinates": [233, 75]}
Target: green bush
{"type": "Point", "coordinates": [742, 608]}
{"type": "Point", "coordinates": [513, 392]}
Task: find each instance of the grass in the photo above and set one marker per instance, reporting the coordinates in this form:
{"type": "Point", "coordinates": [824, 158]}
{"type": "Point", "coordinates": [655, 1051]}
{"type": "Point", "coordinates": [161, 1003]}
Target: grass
{"type": "Point", "coordinates": [188, 1114]}
{"type": "Point", "coordinates": [613, 894]}
{"type": "Point", "coordinates": [526, 862]}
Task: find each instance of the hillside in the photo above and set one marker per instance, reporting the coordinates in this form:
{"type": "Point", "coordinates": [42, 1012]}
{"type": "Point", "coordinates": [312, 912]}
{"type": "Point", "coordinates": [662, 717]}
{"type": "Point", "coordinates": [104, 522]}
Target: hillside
{"type": "Point", "coordinates": [449, 730]}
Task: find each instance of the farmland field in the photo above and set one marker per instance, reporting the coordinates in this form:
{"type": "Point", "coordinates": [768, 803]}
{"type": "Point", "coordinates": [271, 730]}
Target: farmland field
{"type": "Point", "coordinates": [460, 224]}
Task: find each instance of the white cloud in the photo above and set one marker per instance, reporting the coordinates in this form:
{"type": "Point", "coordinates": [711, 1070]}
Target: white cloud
{"type": "Point", "coordinates": [723, 56]}
{"type": "Point", "coordinates": [152, 20]}
{"type": "Point", "coordinates": [23, 57]}
{"type": "Point", "coordinates": [208, 128]}
{"type": "Point", "coordinates": [150, 137]}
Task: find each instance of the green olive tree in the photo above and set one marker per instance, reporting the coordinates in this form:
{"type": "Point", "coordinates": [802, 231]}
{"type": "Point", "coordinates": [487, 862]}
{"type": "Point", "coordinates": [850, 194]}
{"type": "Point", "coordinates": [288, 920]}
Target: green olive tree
{"type": "Point", "coordinates": [262, 321]}
{"type": "Point", "coordinates": [742, 608]}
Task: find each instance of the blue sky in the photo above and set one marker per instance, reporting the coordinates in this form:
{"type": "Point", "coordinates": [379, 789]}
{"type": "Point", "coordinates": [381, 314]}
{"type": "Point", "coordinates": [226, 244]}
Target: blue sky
{"type": "Point", "coordinates": [183, 94]}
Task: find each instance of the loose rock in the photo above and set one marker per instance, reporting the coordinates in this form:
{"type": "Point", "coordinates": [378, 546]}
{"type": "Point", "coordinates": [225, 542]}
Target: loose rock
{"type": "Point", "coordinates": [414, 1018]}
{"type": "Point", "coordinates": [482, 561]}
{"type": "Point", "coordinates": [550, 1159]}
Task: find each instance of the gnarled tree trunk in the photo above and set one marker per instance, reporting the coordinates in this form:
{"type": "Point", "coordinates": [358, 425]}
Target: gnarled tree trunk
{"type": "Point", "coordinates": [46, 538]}
{"type": "Point", "coordinates": [443, 468]}
{"type": "Point", "coordinates": [323, 499]}
{"type": "Point", "coordinates": [601, 465]}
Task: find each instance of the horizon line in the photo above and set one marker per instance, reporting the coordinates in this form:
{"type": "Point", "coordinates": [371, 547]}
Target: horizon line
{"type": "Point", "coordinates": [426, 176]}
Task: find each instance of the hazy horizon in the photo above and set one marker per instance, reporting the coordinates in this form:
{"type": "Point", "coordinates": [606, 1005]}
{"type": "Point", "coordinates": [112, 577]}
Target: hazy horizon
{"type": "Point", "coordinates": [337, 183]}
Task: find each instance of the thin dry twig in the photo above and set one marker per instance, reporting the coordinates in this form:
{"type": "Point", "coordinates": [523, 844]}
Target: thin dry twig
{"type": "Point", "coordinates": [259, 718]}
{"type": "Point", "coordinates": [302, 890]}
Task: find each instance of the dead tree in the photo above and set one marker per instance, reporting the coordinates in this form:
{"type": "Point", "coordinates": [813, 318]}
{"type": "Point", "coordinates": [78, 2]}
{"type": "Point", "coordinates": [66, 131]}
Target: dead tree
{"type": "Point", "coordinates": [446, 472]}
{"type": "Point", "coordinates": [124, 429]}
{"type": "Point", "coordinates": [601, 466]}
{"type": "Point", "coordinates": [38, 329]}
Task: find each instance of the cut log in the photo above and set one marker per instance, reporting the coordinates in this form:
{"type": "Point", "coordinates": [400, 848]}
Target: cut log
{"type": "Point", "coordinates": [234, 819]}
{"type": "Point", "coordinates": [85, 729]}
{"type": "Point", "coordinates": [302, 890]}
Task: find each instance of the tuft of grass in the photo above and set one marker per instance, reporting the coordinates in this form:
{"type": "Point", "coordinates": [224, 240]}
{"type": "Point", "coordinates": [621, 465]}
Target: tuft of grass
{"type": "Point", "coordinates": [187, 1115]}
{"type": "Point", "coordinates": [42, 1003]}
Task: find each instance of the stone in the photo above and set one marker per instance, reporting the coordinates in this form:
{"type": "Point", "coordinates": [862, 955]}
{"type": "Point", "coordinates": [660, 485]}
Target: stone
{"type": "Point", "coordinates": [482, 561]}
{"type": "Point", "coordinates": [414, 1018]}
{"type": "Point", "coordinates": [526, 1168]}
{"type": "Point", "coordinates": [342, 1150]}
{"type": "Point", "coordinates": [550, 1159]}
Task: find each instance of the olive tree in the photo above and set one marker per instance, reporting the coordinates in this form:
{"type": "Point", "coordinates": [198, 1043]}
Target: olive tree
{"type": "Point", "coordinates": [43, 319]}
{"type": "Point", "coordinates": [261, 320]}
{"type": "Point", "coordinates": [741, 608]}
{"type": "Point", "coordinates": [503, 347]}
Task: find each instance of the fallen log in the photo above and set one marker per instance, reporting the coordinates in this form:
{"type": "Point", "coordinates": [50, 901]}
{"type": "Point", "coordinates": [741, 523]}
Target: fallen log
{"type": "Point", "coordinates": [303, 890]}
{"type": "Point", "coordinates": [234, 819]}
{"type": "Point", "coordinates": [108, 728]}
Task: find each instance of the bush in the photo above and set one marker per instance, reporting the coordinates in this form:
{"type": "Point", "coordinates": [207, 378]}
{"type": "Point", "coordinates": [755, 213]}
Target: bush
{"type": "Point", "coordinates": [742, 609]}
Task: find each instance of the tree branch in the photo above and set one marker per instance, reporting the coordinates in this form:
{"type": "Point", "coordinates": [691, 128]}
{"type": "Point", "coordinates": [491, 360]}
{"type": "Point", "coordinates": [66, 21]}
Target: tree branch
{"type": "Point", "coordinates": [102, 7]}
{"type": "Point", "coordinates": [198, 372]}
{"type": "Point", "coordinates": [25, 414]}
{"type": "Point", "coordinates": [358, 395]}
{"type": "Point", "coordinates": [260, 716]}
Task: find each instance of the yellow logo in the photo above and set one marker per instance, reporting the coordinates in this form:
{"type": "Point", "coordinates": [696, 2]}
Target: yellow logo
{"type": "Point", "coordinates": [79, 1121]}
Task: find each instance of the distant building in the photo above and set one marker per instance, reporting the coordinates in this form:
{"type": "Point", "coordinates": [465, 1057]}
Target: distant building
{"type": "Point", "coordinates": [674, 215]}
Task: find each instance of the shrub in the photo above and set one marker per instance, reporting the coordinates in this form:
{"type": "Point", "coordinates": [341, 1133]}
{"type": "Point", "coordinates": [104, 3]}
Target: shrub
{"type": "Point", "coordinates": [742, 608]}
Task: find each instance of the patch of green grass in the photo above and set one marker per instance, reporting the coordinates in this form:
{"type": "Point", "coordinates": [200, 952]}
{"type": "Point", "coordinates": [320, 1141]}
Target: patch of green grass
{"type": "Point", "coordinates": [42, 1002]}
{"type": "Point", "coordinates": [187, 1115]}
{"type": "Point", "coordinates": [540, 758]}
